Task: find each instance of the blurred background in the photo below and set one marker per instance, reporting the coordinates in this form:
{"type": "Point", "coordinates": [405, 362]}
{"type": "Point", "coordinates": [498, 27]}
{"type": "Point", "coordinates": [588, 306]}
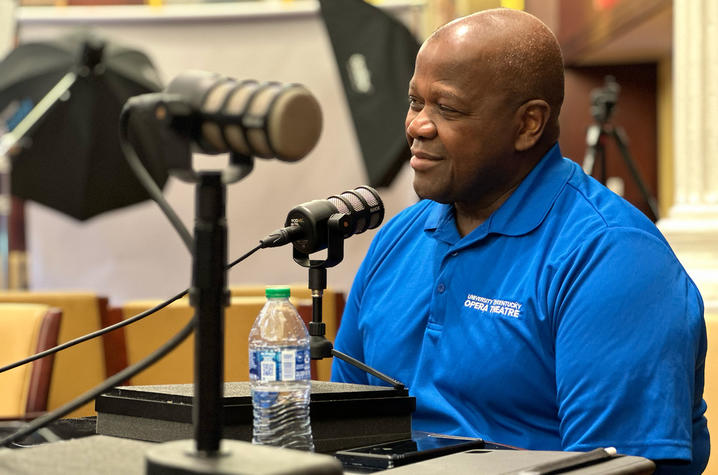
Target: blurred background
{"type": "Point", "coordinates": [132, 252]}
{"type": "Point", "coordinates": [660, 55]}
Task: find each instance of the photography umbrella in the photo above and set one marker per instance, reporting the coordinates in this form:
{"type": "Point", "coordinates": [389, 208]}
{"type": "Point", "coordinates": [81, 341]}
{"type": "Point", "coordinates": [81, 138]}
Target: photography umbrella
{"type": "Point", "coordinates": [375, 54]}
{"type": "Point", "coordinates": [68, 156]}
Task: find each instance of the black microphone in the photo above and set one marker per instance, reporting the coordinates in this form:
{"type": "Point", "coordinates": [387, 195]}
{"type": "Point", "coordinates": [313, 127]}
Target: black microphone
{"type": "Point", "coordinates": [306, 226]}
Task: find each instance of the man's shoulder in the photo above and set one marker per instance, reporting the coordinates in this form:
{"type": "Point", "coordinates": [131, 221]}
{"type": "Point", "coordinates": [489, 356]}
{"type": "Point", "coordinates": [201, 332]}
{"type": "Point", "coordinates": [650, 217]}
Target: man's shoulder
{"type": "Point", "coordinates": [587, 205]}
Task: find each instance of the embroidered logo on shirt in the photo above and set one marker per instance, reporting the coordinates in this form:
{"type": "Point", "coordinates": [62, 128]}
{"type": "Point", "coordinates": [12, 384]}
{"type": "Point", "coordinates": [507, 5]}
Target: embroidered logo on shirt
{"type": "Point", "coordinates": [493, 306]}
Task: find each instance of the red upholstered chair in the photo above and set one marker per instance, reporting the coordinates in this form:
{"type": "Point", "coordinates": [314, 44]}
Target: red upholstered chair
{"type": "Point", "coordinates": [26, 329]}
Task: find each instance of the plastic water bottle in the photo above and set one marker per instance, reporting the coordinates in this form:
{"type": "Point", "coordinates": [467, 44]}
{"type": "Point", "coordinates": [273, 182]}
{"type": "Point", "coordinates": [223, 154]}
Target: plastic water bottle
{"type": "Point", "coordinates": [280, 374]}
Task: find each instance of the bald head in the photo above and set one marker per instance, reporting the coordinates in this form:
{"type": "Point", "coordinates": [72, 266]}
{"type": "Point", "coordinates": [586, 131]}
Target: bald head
{"type": "Point", "coordinates": [517, 50]}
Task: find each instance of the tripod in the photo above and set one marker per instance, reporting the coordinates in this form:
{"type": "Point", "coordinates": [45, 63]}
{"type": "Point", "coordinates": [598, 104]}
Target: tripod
{"type": "Point", "coordinates": [603, 100]}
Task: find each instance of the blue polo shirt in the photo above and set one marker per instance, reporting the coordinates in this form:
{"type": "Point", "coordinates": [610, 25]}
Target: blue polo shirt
{"type": "Point", "coordinates": [563, 322]}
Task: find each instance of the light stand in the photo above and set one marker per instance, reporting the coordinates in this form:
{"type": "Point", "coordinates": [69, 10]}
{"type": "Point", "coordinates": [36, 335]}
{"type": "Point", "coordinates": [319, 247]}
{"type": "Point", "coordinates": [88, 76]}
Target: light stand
{"type": "Point", "coordinates": [603, 103]}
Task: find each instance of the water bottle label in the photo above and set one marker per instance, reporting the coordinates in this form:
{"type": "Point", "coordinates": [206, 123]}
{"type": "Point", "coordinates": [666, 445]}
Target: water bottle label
{"type": "Point", "coordinates": [264, 399]}
{"type": "Point", "coordinates": [287, 364]}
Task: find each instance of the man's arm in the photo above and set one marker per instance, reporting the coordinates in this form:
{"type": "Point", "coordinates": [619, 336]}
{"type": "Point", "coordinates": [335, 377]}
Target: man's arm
{"type": "Point", "coordinates": [630, 345]}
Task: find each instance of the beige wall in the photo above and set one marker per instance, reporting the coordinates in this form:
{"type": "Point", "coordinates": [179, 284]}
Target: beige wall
{"type": "Point", "coordinates": [7, 26]}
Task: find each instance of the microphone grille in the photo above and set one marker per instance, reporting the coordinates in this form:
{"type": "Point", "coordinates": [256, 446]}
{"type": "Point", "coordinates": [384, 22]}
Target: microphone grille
{"type": "Point", "coordinates": [364, 207]}
{"type": "Point", "coordinates": [350, 204]}
{"type": "Point", "coordinates": [339, 204]}
{"type": "Point", "coordinates": [376, 206]}
{"type": "Point", "coordinates": [294, 122]}
{"type": "Point", "coordinates": [354, 201]}
{"type": "Point", "coordinates": [371, 198]}
{"type": "Point", "coordinates": [358, 207]}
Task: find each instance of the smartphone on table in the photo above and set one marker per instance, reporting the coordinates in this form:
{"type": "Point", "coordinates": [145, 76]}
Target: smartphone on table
{"type": "Point", "coordinates": [421, 446]}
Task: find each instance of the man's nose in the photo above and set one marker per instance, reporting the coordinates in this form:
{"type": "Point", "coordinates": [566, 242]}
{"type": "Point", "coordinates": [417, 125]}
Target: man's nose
{"type": "Point", "coordinates": [420, 125]}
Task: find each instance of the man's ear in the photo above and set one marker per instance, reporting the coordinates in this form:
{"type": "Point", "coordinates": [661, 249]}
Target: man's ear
{"type": "Point", "coordinates": [533, 116]}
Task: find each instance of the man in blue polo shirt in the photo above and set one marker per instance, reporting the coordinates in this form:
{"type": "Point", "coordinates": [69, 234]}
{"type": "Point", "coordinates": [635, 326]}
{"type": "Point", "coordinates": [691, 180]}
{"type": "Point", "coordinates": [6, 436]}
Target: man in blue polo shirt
{"type": "Point", "coordinates": [520, 300]}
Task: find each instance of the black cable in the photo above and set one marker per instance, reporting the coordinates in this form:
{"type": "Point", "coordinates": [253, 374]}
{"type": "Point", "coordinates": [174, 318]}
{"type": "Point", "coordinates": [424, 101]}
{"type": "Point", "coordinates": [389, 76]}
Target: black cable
{"type": "Point", "coordinates": [155, 193]}
{"type": "Point", "coordinates": [119, 377]}
{"type": "Point", "coordinates": [92, 335]}
{"type": "Point", "coordinates": [110, 382]}
{"type": "Point", "coordinates": [146, 179]}
{"type": "Point", "coordinates": [121, 324]}
{"type": "Point", "coordinates": [246, 255]}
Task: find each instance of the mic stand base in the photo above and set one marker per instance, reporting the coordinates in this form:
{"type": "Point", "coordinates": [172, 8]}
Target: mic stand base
{"type": "Point", "coordinates": [235, 457]}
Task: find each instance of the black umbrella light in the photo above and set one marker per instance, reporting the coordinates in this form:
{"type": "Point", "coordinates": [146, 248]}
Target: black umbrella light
{"type": "Point", "coordinates": [375, 54]}
{"type": "Point", "coordinates": [62, 100]}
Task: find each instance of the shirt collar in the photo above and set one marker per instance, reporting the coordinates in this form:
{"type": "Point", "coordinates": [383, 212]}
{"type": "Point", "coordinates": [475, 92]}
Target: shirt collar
{"type": "Point", "coordinates": [522, 212]}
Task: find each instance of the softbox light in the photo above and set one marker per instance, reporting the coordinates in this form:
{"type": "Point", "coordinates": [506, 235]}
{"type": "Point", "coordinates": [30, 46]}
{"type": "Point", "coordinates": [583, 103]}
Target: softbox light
{"type": "Point", "coordinates": [375, 54]}
{"type": "Point", "coordinates": [70, 159]}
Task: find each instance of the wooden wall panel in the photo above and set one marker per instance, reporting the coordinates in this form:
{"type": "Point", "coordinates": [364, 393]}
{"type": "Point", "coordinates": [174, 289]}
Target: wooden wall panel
{"type": "Point", "coordinates": [635, 112]}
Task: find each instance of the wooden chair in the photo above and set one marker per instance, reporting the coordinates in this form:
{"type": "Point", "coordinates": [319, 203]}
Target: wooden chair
{"type": "Point", "coordinates": [148, 334]}
{"type": "Point", "coordinates": [710, 391]}
{"type": "Point", "coordinates": [83, 366]}
{"type": "Point", "coordinates": [26, 329]}
{"type": "Point", "coordinates": [178, 367]}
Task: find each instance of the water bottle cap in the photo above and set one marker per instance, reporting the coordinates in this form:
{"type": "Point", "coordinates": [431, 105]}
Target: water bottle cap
{"type": "Point", "coordinates": [277, 292]}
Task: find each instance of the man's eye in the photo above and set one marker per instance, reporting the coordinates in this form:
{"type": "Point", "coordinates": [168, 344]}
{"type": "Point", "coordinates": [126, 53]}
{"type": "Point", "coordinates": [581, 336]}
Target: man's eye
{"type": "Point", "coordinates": [447, 109]}
{"type": "Point", "coordinates": [414, 103]}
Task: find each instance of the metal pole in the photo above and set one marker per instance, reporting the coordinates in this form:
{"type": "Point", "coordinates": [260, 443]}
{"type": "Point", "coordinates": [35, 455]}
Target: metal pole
{"type": "Point", "coordinates": [209, 295]}
{"type": "Point", "coordinates": [5, 207]}
{"type": "Point", "coordinates": [622, 142]}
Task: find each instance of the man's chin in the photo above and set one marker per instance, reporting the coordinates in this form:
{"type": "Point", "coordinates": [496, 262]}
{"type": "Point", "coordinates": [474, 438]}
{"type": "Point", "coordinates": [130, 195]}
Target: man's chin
{"type": "Point", "coordinates": [427, 192]}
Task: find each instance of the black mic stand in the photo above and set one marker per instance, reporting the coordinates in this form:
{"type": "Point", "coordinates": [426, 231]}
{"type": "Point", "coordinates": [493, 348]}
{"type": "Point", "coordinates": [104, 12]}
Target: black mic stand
{"type": "Point", "coordinates": [319, 346]}
{"type": "Point", "coordinates": [209, 296]}
{"type": "Point", "coordinates": [603, 102]}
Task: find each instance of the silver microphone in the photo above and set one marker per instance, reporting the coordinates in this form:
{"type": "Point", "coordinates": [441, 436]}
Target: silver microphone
{"type": "Point", "coordinates": [263, 119]}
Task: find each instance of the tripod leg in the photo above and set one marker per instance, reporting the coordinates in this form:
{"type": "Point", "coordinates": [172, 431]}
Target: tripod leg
{"type": "Point", "coordinates": [619, 137]}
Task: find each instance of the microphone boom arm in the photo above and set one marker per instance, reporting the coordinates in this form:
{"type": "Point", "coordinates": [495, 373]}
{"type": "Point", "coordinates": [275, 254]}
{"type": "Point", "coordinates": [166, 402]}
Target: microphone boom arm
{"type": "Point", "coordinates": [398, 385]}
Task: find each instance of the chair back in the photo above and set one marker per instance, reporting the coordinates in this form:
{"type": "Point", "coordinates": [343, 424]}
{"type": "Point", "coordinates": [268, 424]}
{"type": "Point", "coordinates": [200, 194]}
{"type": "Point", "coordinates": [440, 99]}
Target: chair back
{"type": "Point", "coordinates": [333, 302]}
{"type": "Point", "coordinates": [81, 367]}
{"type": "Point", "coordinates": [177, 367]}
{"type": "Point", "coordinates": [710, 390]}
{"type": "Point", "coordinates": [26, 329]}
